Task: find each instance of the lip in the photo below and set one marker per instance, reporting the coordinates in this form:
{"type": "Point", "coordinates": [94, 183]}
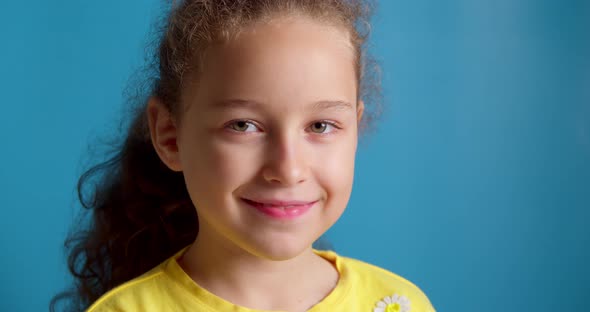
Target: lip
{"type": "Point", "coordinates": [280, 209]}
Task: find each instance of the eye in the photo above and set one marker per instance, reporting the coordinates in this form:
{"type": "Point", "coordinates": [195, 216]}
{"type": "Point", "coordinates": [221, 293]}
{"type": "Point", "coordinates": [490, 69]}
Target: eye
{"type": "Point", "coordinates": [243, 126]}
{"type": "Point", "coordinates": [322, 126]}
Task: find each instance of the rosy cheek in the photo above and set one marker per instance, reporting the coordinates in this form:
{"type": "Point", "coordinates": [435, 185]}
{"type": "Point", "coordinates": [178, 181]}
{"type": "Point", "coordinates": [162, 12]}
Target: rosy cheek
{"type": "Point", "coordinates": [234, 163]}
{"type": "Point", "coordinates": [335, 169]}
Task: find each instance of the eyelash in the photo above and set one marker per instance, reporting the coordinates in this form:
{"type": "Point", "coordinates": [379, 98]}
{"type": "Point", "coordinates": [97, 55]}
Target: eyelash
{"type": "Point", "coordinates": [249, 122]}
{"type": "Point", "coordinates": [234, 122]}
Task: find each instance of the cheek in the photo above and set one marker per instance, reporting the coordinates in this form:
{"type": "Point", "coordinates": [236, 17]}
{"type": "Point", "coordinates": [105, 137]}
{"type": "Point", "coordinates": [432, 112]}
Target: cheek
{"type": "Point", "coordinates": [214, 167]}
{"type": "Point", "coordinates": [234, 164]}
{"type": "Point", "coordinates": [335, 173]}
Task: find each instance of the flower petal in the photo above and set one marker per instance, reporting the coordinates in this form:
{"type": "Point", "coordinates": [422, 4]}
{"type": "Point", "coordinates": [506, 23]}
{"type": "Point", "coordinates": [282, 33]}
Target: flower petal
{"type": "Point", "coordinates": [404, 300]}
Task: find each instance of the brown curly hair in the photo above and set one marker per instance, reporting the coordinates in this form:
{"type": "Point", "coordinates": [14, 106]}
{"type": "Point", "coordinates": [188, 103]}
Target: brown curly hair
{"type": "Point", "coordinates": [139, 212]}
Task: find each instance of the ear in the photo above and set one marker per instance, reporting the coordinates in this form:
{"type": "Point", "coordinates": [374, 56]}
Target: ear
{"type": "Point", "coordinates": [164, 133]}
{"type": "Point", "coordinates": [360, 108]}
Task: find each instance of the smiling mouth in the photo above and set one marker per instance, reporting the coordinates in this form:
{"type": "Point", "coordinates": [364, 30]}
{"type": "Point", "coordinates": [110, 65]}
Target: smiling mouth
{"type": "Point", "coordinates": [281, 209]}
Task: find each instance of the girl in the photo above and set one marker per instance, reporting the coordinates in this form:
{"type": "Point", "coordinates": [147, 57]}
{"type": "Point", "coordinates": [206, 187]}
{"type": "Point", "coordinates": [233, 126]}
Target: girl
{"type": "Point", "coordinates": [240, 158]}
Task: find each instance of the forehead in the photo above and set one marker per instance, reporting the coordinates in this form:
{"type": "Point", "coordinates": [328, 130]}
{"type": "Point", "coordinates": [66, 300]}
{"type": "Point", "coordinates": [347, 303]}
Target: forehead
{"type": "Point", "coordinates": [290, 61]}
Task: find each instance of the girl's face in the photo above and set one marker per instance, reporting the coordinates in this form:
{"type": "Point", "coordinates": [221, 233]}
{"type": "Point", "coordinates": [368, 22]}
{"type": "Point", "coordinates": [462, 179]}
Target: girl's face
{"type": "Point", "coordinates": [271, 122]}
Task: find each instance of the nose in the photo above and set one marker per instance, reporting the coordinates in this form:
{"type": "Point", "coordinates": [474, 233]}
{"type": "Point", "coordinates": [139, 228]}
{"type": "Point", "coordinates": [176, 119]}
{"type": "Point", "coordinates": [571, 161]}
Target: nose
{"type": "Point", "coordinates": [286, 160]}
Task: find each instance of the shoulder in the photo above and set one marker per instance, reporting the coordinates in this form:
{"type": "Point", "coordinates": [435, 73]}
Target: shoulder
{"type": "Point", "coordinates": [381, 288]}
{"type": "Point", "coordinates": [156, 290]}
{"type": "Point", "coordinates": [364, 272]}
{"type": "Point", "coordinates": [131, 295]}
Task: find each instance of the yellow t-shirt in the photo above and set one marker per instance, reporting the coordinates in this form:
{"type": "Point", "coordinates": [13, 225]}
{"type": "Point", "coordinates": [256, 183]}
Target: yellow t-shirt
{"type": "Point", "coordinates": [361, 287]}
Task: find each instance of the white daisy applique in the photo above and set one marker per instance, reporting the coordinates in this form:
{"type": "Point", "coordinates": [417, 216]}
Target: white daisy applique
{"type": "Point", "coordinates": [395, 303]}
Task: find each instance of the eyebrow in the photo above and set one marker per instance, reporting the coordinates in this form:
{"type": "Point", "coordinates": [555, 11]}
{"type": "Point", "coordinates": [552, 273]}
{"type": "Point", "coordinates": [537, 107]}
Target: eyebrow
{"type": "Point", "coordinates": [339, 105]}
{"type": "Point", "coordinates": [241, 103]}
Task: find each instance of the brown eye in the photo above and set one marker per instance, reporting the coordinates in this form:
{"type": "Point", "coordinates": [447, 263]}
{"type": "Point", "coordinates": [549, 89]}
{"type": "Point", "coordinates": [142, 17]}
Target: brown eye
{"type": "Point", "coordinates": [324, 127]}
{"type": "Point", "coordinates": [319, 127]}
{"type": "Point", "coordinates": [243, 126]}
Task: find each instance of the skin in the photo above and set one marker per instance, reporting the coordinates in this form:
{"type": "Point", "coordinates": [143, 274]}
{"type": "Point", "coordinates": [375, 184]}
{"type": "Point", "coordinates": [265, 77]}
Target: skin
{"type": "Point", "coordinates": [277, 141]}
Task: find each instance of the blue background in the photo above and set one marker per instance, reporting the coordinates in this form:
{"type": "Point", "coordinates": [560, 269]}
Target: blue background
{"type": "Point", "coordinates": [476, 185]}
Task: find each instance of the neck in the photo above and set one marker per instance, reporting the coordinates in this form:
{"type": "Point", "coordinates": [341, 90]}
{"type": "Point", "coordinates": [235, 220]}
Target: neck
{"type": "Point", "coordinates": [245, 279]}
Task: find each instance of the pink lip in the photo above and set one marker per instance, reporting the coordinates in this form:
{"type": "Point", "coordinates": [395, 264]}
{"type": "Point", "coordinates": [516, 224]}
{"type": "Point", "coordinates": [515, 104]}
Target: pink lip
{"type": "Point", "coordinates": [281, 209]}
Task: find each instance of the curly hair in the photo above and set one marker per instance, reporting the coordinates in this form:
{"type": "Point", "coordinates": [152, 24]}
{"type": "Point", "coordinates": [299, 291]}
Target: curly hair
{"type": "Point", "coordinates": [138, 210]}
